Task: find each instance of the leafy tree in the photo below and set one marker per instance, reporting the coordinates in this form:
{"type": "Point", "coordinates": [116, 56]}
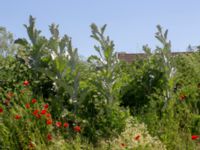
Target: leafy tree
{"type": "Point", "coordinates": [7, 46]}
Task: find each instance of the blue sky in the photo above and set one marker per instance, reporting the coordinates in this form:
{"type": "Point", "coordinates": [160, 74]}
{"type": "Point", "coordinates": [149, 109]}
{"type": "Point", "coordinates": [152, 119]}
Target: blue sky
{"type": "Point", "coordinates": [131, 23]}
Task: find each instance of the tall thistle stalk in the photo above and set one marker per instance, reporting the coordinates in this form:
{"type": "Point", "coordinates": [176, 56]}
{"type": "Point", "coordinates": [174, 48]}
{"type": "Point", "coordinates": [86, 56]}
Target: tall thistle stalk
{"type": "Point", "coordinates": [105, 63]}
{"type": "Point", "coordinates": [165, 59]}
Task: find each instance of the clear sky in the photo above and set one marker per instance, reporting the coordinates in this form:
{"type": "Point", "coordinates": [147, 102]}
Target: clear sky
{"type": "Point", "coordinates": [131, 23]}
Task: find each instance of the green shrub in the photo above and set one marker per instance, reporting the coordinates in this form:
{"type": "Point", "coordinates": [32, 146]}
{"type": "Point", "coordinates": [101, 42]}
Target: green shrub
{"type": "Point", "coordinates": [134, 137]}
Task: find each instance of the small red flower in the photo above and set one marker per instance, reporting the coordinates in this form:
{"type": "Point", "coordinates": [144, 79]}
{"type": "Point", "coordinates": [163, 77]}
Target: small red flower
{"type": "Point", "coordinates": [194, 137]}
{"type": "Point", "coordinates": [43, 111]}
{"type": "Point", "coordinates": [49, 137]}
{"type": "Point", "coordinates": [38, 116]}
{"type": "Point", "coordinates": [49, 121]}
{"type": "Point", "coordinates": [35, 112]}
{"type": "Point", "coordinates": [137, 138]}
{"type": "Point", "coordinates": [66, 125]}
{"type": "Point", "coordinates": [46, 106]}
{"type": "Point", "coordinates": [48, 115]}
{"type": "Point", "coordinates": [26, 83]}
{"type": "Point", "coordinates": [28, 106]}
{"type": "Point", "coordinates": [1, 110]}
{"type": "Point", "coordinates": [34, 101]}
{"type": "Point", "coordinates": [17, 117]}
{"type": "Point", "coordinates": [58, 124]}
{"type": "Point", "coordinates": [77, 128]}
{"type": "Point", "coordinates": [182, 97]}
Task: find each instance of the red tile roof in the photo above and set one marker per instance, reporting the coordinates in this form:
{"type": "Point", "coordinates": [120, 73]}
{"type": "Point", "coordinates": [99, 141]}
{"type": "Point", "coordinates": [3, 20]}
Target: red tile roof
{"type": "Point", "coordinates": [130, 57]}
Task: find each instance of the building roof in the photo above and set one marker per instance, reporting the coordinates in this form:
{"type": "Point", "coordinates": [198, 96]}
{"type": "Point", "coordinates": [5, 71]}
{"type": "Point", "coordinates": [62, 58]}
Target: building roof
{"type": "Point", "coordinates": [130, 57]}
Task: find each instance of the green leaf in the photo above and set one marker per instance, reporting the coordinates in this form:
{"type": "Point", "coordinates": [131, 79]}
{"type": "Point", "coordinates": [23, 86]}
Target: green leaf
{"type": "Point", "coordinates": [22, 42]}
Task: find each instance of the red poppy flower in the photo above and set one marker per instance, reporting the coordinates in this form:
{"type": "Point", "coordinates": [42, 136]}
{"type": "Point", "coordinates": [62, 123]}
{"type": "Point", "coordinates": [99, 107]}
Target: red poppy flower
{"type": "Point", "coordinates": [48, 115]}
{"type": "Point", "coordinates": [182, 97]}
{"type": "Point", "coordinates": [194, 137]}
{"type": "Point", "coordinates": [28, 106]}
{"type": "Point", "coordinates": [43, 111]}
{"type": "Point", "coordinates": [49, 137]}
{"type": "Point", "coordinates": [49, 121]}
{"type": "Point", "coordinates": [34, 100]}
{"type": "Point", "coordinates": [46, 106]}
{"type": "Point", "coordinates": [17, 117]}
{"type": "Point", "coordinates": [66, 125]}
{"type": "Point", "coordinates": [1, 110]}
{"type": "Point", "coordinates": [137, 137]}
{"type": "Point", "coordinates": [77, 128]}
{"type": "Point", "coordinates": [38, 116]}
{"type": "Point", "coordinates": [26, 83]}
{"type": "Point", "coordinates": [35, 112]}
{"type": "Point", "coordinates": [58, 124]}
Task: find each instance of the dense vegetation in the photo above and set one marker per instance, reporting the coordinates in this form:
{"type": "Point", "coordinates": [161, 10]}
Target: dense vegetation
{"type": "Point", "coordinates": [52, 99]}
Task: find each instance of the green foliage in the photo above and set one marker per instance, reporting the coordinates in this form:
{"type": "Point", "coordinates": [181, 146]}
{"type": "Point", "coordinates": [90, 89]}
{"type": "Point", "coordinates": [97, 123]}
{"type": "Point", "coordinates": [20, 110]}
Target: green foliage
{"type": "Point", "coordinates": [102, 121]}
{"type": "Point", "coordinates": [173, 125]}
{"type": "Point", "coordinates": [144, 78]}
